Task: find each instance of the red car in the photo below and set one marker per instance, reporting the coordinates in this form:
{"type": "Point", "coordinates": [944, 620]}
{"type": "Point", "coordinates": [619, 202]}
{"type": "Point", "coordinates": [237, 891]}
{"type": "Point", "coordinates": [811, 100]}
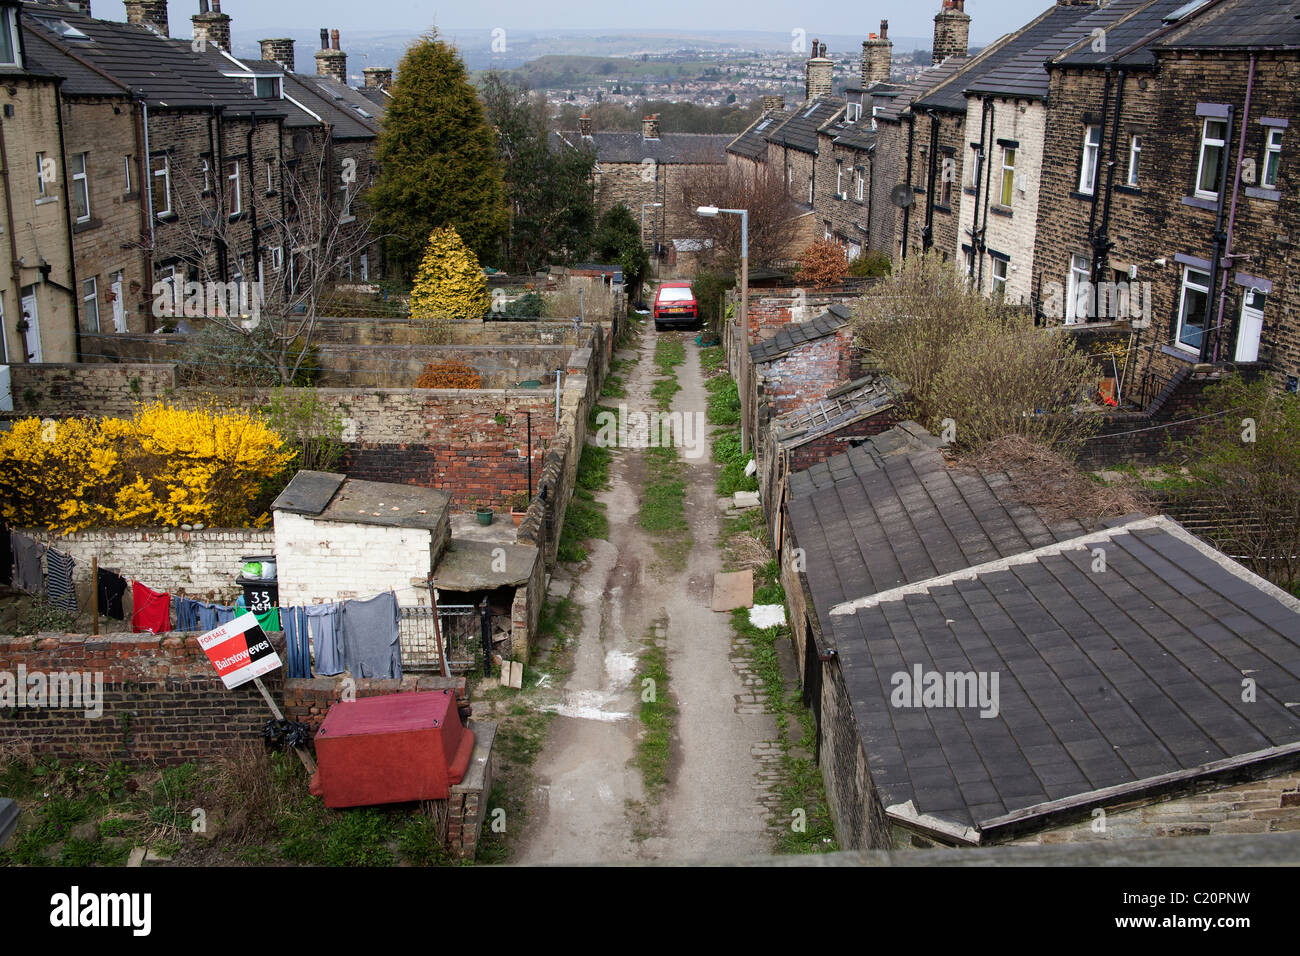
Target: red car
{"type": "Point", "coordinates": [675, 305]}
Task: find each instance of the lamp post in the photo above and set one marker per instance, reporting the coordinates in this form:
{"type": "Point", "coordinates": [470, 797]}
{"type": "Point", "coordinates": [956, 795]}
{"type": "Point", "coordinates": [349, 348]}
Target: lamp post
{"type": "Point", "coordinates": [644, 207]}
{"type": "Point", "coordinates": [709, 212]}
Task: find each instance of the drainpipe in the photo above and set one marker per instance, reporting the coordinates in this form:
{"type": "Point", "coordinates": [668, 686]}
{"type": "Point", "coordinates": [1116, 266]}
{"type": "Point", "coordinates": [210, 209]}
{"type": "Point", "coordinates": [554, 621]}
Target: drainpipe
{"type": "Point", "coordinates": [1232, 212]}
{"type": "Point", "coordinates": [907, 210]}
{"type": "Point", "coordinates": [1216, 269]}
{"type": "Point", "coordinates": [981, 190]}
{"type": "Point", "coordinates": [927, 234]}
{"type": "Point", "coordinates": [67, 220]}
{"type": "Point", "coordinates": [1097, 237]}
{"type": "Point", "coordinates": [252, 196]}
{"type": "Point", "coordinates": [144, 171]}
{"type": "Point", "coordinates": [219, 176]}
{"type": "Point", "coordinates": [15, 270]}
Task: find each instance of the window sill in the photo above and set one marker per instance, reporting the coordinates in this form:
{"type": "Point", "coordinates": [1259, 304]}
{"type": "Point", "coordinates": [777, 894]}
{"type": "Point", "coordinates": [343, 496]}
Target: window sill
{"type": "Point", "coordinates": [347, 219]}
{"type": "Point", "coordinates": [1264, 192]}
{"type": "Point", "coordinates": [86, 226]}
{"type": "Point", "coordinates": [166, 217]}
{"type": "Point", "coordinates": [968, 190]}
{"type": "Point", "coordinates": [999, 210]}
{"type": "Point", "coordinates": [1199, 202]}
{"type": "Point", "coordinates": [1128, 190]}
{"type": "Point", "coordinates": [945, 209]}
{"type": "Point", "coordinates": [130, 197]}
{"type": "Point", "coordinates": [46, 200]}
{"type": "Point", "coordinates": [236, 216]}
{"type": "Point", "coordinates": [1182, 354]}
{"type": "Point", "coordinates": [1078, 194]}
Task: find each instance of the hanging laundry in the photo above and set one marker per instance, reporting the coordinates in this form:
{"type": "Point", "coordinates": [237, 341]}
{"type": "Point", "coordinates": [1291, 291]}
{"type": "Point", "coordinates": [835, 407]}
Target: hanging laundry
{"type": "Point", "coordinates": [58, 568]}
{"type": "Point", "coordinates": [6, 557]}
{"type": "Point", "coordinates": [371, 637]}
{"type": "Point", "coordinates": [268, 621]}
{"type": "Point", "coordinates": [187, 613]}
{"type": "Point", "coordinates": [111, 586]}
{"type": "Point", "coordinates": [151, 610]}
{"type": "Point", "coordinates": [326, 622]}
{"type": "Point", "coordinates": [28, 552]}
{"type": "Point", "coordinates": [296, 640]}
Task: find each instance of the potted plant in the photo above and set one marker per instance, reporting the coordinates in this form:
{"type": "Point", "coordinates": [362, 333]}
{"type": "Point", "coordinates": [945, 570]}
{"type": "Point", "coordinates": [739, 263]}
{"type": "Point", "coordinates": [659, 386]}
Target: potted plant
{"type": "Point", "coordinates": [518, 502]}
{"type": "Point", "coordinates": [483, 514]}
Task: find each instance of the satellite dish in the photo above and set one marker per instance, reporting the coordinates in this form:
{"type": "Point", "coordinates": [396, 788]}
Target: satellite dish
{"type": "Point", "coordinates": [902, 196]}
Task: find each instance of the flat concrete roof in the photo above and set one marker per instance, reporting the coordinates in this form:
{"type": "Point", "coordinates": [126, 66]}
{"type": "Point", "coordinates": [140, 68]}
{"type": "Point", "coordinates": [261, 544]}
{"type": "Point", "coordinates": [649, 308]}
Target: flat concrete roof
{"type": "Point", "coordinates": [325, 496]}
{"type": "Point", "coordinates": [477, 565]}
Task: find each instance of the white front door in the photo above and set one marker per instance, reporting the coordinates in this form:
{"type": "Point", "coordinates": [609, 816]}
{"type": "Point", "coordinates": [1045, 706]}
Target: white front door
{"type": "Point", "coordinates": [119, 306]}
{"type": "Point", "coordinates": [1252, 324]}
{"type": "Point", "coordinates": [33, 324]}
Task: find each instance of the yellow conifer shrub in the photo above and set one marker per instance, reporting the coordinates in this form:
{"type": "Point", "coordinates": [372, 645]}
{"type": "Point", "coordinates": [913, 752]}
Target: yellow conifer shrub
{"type": "Point", "coordinates": [448, 285]}
{"type": "Point", "coordinates": [164, 466]}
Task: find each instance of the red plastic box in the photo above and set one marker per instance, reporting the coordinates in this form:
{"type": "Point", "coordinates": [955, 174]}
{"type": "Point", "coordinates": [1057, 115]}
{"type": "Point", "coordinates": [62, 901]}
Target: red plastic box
{"type": "Point", "coordinates": [391, 749]}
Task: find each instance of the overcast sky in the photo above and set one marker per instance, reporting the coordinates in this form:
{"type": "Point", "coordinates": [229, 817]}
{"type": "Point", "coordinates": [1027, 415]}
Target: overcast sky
{"type": "Point", "coordinates": [990, 18]}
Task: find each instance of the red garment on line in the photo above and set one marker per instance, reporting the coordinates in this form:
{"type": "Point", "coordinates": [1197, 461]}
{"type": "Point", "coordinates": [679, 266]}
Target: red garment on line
{"type": "Point", "coordinates": [151, 611]}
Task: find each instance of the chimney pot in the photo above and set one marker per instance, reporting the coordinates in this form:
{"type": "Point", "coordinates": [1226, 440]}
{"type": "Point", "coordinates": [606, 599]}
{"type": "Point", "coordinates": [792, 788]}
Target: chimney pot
{"type": "Point", "coordinates": [324, 38]}
{"type": "Point", "coordinates": [334, 39]}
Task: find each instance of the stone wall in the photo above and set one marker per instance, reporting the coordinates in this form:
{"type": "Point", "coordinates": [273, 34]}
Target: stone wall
{"type": "Point", "coordinates": [198, 564]}
{"type": "Point", "coordinates": [65, 390]}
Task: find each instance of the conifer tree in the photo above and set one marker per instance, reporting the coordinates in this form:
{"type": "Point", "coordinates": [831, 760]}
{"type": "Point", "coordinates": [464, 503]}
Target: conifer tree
{"type": "Point", "coordinates": [448, 285]}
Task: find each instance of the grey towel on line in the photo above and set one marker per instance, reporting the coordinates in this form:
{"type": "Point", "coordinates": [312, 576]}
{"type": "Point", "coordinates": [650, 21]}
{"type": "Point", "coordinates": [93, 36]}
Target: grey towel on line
{"type": "Point", "coordinates": [325, 624]}
{"type": "Point", "coordinates": [371, 644]}
{"type": "Point", "coordinates": [27, 563]}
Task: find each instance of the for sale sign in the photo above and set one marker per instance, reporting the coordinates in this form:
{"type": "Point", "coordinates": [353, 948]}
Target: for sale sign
{"type": "Point", "coordinates": [239, 650]}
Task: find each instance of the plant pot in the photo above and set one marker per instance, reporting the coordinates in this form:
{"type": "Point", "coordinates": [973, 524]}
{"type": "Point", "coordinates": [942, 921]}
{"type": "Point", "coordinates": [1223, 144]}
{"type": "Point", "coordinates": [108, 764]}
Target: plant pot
{"type": "Point", "coordinates": [517, 516]}
{"type": "Point", "coordinates": [484, 515]}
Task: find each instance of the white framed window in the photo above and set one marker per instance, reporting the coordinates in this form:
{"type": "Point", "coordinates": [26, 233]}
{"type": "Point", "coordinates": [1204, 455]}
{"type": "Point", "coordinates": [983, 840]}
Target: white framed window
{"type": "Point", "coordinates": [90, 304]}
{"type": "Point", "coordinates": [9, 50]}
{"type": "Point", "coordinates": [839, 180]}
{"type": "Point", "coordinates": [1008, 175]}
{"type": "Point", "coordinates": [41, 192]}
{"type": "Point", "coordinates": [277, 257]}
{"type": "Point", "coordinates": [861, 184]}
{"type": "Point", "coordinates": [1213, 141]}
{"type": "Point", "coordinates": [234, 197]}
{"type": "Point", "coordinates": [1272, 157]}
{"type": "Point", "coordinates": [810, 190]}
{"type": "Point", "coordinates": [1077, 295]}
{"type": "Point", "coordinates": [1134, 158]}
{"type": "Point", "coordinates": [270, 176]}
{"type": "Point", "coordinates": [1091, 152]}
{"type": "Point", "coordinates": [162, 185]}
{"type": "Point", "coordinates": [1193, 309]}
{"type": "Point", "coordinates": [80, 187]}
{"type": "Point", "coordinates": [365, 267]}
{"type": "Point", "coordinates": [975, 158]}
{"type": "Point", "coordinates": [207, 176]}
{"type": "Point", "coordinates": [853, 112]}
{"type": "Point", "coordinates": [126, 172]}
{"type": "Point", "coordinates": [999, 285]}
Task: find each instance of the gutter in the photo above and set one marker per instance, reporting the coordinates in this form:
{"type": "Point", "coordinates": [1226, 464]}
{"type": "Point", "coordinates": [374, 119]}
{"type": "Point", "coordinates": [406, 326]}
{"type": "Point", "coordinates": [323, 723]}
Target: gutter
{"type": "Point", "coordinates": [1216, 268]}
{"type": "Point", "coordinates": [1232, 212]}
{"type": "Point", "coordinates": [67, 220]}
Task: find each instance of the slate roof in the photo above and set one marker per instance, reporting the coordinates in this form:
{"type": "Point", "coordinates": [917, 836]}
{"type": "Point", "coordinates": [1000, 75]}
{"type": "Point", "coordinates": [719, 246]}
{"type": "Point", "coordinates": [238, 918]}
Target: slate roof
{"type": "Point", "coordinates": [631, 147]}
{"type": "Point", "coordinates": [752, 143]}
{"type": "Point", "coordinates": [855, 400]}
{"type": "Point", "coordinates": [1135, 27]}
{"type": "Point", "coordinates": [165, 72]}
{"type": "Point", "coordinates": [1237, 24]}
{"type": "Point", "coordinates": [796, 334]}
{"type": "Point", "coordinates": [1018, 70]}
{"type": "Point", "coordinates": [892, 107]}
{"type": "Point", "coordinates": [42, 56]}
{"type": "Point", "coordinates": [799, 131]}
{"type": "Point", "coordinates": [1126, 680]}
{"type": "Point", "coordinates": [336, 103]}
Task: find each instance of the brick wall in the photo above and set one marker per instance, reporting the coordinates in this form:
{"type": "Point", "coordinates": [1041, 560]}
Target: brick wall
{"type": "Point", "coordinates": [199, 564]}
{"type": "Point", "coordinates": [804, 375]}
{"type": "Point", "coordinates": [320, 561]}
{"type": "Point", "coordinates": [163, 700]}
{"type": "Point", "coordinates": [770, 313]}
{"type": "Point", "coordinates": [308, 699]}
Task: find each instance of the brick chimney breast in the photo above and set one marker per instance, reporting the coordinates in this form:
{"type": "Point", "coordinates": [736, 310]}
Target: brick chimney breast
{"type": "Point", "coordinates": [378, 77]}
{"type": "Point", "coordinates": [330, 60]}
{"type": "Point", "coordinates": [818, 72]}
{"type": "Point", "coordinates": [148, 13]}
{"type": "Point", "coordinates": [951, 30]}
{"type": "Point", "coordinates": [877, 56]}
{"type": "Point", "coordinates": [773, 102]}
{"type": "Point", "coordinates": [584, 125]}
{"type": "Point", "coordinates": [650, 126]}
{"type": "Point", "coordinates": [278, 50]}
{"type": "Point", "coordinates": [212, 25]}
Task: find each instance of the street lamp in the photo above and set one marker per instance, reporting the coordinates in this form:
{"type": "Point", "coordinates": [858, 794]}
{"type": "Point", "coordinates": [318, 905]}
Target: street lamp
{"type": "Point", "coordinates": [644, 207]}
{"type": "Point", "coordinates": [711, 212]}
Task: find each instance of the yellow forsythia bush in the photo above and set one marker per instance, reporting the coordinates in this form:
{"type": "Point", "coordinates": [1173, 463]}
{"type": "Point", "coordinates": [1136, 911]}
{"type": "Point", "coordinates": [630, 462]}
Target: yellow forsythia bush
{"type": "Point", "coordinates": [448, 285]}
{"type": "Point", "coordinates": [164, 466]}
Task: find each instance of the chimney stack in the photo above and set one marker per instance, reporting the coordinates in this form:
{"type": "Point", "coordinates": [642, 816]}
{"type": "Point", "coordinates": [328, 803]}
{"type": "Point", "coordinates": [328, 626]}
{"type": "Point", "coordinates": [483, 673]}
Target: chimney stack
{"type": "Point", "coordinates": [818, 73]}
{"type": "Point", "coordinates": [773, 101]}
{"type": "Point", "coordinates": [83, 6]}
{"type": "Point", "coordinates": [212, 25]}
{"type": "Point", "coordinates": [330, 60]}
{"type": "Point", "coordinates": [278, 50]}
{"type": "Point", "coordinates": [148, 13]}
{"type": "Point", "coordinates": [378, 77]}
{"type": "Point", "coordinates": [877, 56]}
{"type": "Point", "coordinates": [951, 30]}
{"type": "Point", "coordinates": [584, 125]}
{"type": "Point", "coordinates": [650, 126]}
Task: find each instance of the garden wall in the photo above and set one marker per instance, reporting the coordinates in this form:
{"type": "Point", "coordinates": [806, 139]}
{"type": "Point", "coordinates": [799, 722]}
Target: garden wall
{"type": "Point", "coordinates": [198, 564]}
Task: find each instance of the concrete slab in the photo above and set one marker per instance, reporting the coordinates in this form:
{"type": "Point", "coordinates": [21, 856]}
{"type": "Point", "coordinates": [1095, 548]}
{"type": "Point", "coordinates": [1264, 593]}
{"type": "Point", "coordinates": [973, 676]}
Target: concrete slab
{"type": "Point", "coordinates": [767, 615]}
{"type": "Point", "coordinates": [476, 565]}
{"type": "Point", "coordinates": [465, 527]}
{"type": "Point", "coordinates": [746, 499]}
{"type": "Point", "coordinates": [733, 589]}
